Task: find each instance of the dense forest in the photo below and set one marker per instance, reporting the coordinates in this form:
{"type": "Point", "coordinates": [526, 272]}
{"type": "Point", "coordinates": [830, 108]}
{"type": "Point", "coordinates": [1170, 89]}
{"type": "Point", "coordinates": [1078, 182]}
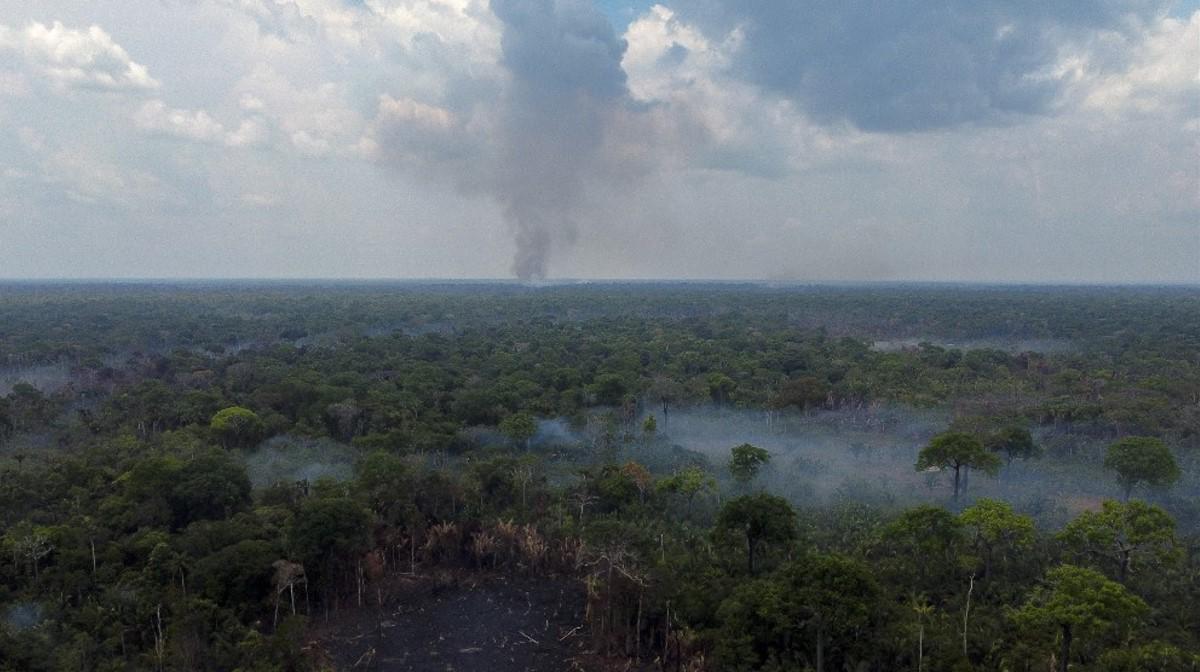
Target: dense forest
{"type": "Point", "coordinates": [219, 476]}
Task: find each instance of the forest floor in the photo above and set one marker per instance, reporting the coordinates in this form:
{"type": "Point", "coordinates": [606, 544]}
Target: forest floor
{"type": "Point", "coordinates": [463, 623]}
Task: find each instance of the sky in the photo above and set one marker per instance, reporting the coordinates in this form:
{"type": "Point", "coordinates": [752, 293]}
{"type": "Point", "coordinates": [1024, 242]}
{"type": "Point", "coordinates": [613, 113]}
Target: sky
{"type": "Point", "coordinates": [977, 141]}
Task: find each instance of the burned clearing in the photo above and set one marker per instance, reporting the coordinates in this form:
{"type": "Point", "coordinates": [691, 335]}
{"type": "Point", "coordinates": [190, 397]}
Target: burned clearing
{"type": "Point", "coordinates": [465, 623]}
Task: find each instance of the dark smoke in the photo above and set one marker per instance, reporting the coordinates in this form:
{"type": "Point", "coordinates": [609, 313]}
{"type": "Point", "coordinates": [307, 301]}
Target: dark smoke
{"type": "Point", "coordinates": [566, 87]}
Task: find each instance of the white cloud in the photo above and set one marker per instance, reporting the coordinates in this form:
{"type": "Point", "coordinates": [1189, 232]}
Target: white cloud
{"type": "Point", "coordinates": [197, 125]}
{"type": "Point", "coordinates": [154, 116]}
{"type": "Point", "coordinates": [408, 112]}
{"type": "Point", "coordinates": [317, 120]}
{"type": "Point", "coordinates": [249, 133]}
{"type": "Point", "coordinates": [77, 58]}
{"type": "Point", "coordinates": [1163, 70]}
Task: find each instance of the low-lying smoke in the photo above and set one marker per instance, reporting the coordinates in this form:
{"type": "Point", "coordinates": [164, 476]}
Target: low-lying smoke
{"type": "Point", "coordinates": [289, 459]}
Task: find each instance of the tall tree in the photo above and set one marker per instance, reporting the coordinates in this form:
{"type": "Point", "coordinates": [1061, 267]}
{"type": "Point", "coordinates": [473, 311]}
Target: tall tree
{"type": "Point", "coordinates": [957, 451]}
{"type": "Point", "coordinates": [998, 532]}
{"type": "Point", "coordinates": [1081, 604]}
{"type": "Point", "coordinates": [1122, 536]}
{"type": "Point", "coordinates": [758, 519]}
{"type": "Point", "coordinates": [519, 428]}
{"type": "Point", "coordinates": [835, 597]}
{"type": "Point", "coordinates": [1014, 443]}
{"type": "Point", "coordinates": [1141, 460]}
{"type": "Point", "coordinates": [238, 427]}
{"type": "Point", "coordinates": [745, 461]}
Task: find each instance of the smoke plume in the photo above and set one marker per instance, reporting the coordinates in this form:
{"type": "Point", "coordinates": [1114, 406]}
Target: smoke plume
{"type": "Point", "coordinates": [566, 87]}
{"type": "Point", "coordinates": [534, 133]}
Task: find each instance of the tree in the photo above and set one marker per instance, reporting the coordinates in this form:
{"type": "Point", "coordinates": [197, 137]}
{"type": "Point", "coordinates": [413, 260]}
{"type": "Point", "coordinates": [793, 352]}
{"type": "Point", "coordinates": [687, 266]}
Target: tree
{"type": "Point", "coordinates": [649, 426]}
{"type": "Point", "coordinates": [610, 389]}
{"type": "Point", "coordinates": [383, 484]}
{"type": "Point", "coordinates": [803, 393]}
{"type": "Point", "coordinates": [1081, 604]}
{"type": "Point", "coordinates": [1141, 459]}
{"type": "Point", "coordinates": [326, 533]}
{"type": "Point", "coordinates": [519, 428]}
{"type": "Point", "coordinates": [922, 549]}
{"type": "Point", "coordinates": [998, 532]}
{"type": "Point", "coordinates": [6, 421]}
{"type": "Point", "coordinates": [1122, 535]}
{"type": "Point", "coordinates": [957, 450]}
{"type": "Point", "coordinates": [759, 519]}
{"type": "Point", "coordinates": [835, 597]}
{"type": "Point", "coordinates": [720, 386]}
{"type": "Point", "coordinates": [753, 622]}
{"type": "Point", "coordinates": [238, 427]}
{"type": "Point", "coordinates": [689, 482]}
{"type": "Point", "coordinates": [745, 461]}
{"type": "Point", "coordinates": [1149, 657]}
{"type": "Point", "coordinates": [210, 487]}
{"type": "Point", "coordinates": [1014, 443]}
{"type": "Point", "coordinates": [641, 478]}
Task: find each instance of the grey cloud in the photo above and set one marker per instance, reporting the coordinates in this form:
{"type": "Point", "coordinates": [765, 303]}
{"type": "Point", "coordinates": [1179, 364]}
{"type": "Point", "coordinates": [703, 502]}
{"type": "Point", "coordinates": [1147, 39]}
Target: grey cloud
{"type": "Point", "coordinates": [911, 65]}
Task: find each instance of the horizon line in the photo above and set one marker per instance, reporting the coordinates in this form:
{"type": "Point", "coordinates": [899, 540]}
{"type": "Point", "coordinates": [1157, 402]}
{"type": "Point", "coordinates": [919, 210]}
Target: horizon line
{"type": "Point", "coordinates": [556, 282]}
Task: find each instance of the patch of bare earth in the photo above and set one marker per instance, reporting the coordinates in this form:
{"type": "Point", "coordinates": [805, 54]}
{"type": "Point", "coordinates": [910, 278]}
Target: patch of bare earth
{"type": "Point", "coordinates": [462, 623]}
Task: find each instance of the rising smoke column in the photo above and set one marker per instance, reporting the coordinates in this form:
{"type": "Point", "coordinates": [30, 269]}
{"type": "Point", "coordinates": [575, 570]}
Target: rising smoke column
{"type": "Point", "coordinates": [565, 89]}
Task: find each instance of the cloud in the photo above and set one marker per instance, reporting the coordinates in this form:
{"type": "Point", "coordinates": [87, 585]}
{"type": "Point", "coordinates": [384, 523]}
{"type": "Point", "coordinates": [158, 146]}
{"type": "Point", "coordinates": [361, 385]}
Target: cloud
{"type": "Point", "coordinates": [316, 119]}
{"type": "Point", "coordinates": [1162, 75]}
{"type": "Point", "coordinates": [978, 141]}
{"type": "Point", "coordinates": [77, 58]}
{"type": "Point", "coordinates": [156, 117]}
{"type": "Point", "coordinates": [83, 176]}
{"type": "Point", "coordinates": [912, 65]}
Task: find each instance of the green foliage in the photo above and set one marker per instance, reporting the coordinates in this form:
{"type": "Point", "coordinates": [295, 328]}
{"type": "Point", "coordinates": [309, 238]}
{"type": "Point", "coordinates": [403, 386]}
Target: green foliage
{"type": "Point", "coordinates": [325, 533]}
{"type": "Point", "coordinates": [519, 428]}
{"type": "Point", "coordinates": [1000, 535]}
{"type": "Point", "coordinates": [383, 483]}
{"type": "Point", "coordinates": [1149, 657]}
{"type": "Point", "coordinates": [1079, 604]}
{"type": "Point", "coordinates": [238, 427]}
{"type": "Point", "coordinates": [210, 486]}
{"type": "Point", "coordinates": [745, 461]}
{"type": "Point", "coordinates": [838, 602]}
{"type": "Point", "coordinates": [815, 608]}
{"type": "Point", "coordinates": [1121, 538]}
{"type": "Point", "coordinates": [921, 548]}
{"type": "Point", "coordinates": [1141, 460]}
{"type": "Point", "coordinates": [957, 450]}
{"type": "Point", "coordinates": [1016, 443]}
{"type": "Point", "coordinates": [689, 482]}
{"type": "Point", "coordinates": [649, 425]}
{"type": "Point", "coordinates": [754, 622]}
{"type": "Point", "coordinates": [115, 510]}
{"type": "Point", "coordinates": [757, 520]}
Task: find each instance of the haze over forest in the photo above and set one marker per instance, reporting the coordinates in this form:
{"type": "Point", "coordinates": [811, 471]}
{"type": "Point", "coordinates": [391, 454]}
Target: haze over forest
{"type": "Point", "coordinates": [1011, 142]}
{"type": "Point", "coordinates": [600, 335]}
